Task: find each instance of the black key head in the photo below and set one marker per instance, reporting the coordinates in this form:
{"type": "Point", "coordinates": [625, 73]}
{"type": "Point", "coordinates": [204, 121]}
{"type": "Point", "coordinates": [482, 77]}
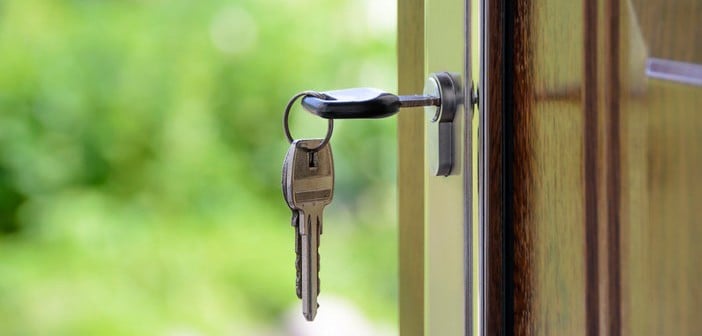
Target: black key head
{"type": "Point", "coordinates": [358, 103]}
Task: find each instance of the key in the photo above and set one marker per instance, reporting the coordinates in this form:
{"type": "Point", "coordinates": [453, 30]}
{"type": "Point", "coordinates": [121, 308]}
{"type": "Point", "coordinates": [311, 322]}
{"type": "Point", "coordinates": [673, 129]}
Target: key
{"type": "Point", "coordinates": [298, 257]}
{"type": "Point", "coordinates": [311, 188]}
{"type": "Point", "coordinates": [362, 103]}
{"type": "Point", "coordinates": [298, 254]}
{"type": "Point", "coordinates": [293, 222]}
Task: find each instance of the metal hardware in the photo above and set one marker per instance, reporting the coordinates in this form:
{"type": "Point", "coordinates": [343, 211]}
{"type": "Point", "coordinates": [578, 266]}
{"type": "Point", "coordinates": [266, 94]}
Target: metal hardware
{"type": "Point", "coordinates": [443, 94]}
{"type": "Point", "coordinates": [286, 117]}
{"type": "Point", "coordinates": [362, 103]}
{"type": "Point", "coordinates": [418, 101]}
{"type": "Point", "coordinates": [446, 86]}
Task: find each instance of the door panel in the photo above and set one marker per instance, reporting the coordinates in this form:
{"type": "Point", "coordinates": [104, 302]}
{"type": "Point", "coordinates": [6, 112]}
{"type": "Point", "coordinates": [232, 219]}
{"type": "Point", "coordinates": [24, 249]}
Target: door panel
{"type": "Point", "coordinates": [544, 122]}
{"type": "Point", "coordinates": [661, 182]}
{"type": "Point", "coordinates": [661, 229]}
{"type": "Point", "coordinates": [589, 174]}
{"type": "Point", "coordinates": [669, 28]}
{"type": "Point", "coordinates": [592, 175]}
{"type": "Point", "coordinates": [548, 152]}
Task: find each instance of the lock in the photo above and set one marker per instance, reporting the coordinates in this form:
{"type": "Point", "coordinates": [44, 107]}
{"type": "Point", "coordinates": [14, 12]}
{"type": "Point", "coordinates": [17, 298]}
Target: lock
{"type": "Point", "coordinates": [440, 138]}
{"type": "Point", "coordinates": [443, 95]}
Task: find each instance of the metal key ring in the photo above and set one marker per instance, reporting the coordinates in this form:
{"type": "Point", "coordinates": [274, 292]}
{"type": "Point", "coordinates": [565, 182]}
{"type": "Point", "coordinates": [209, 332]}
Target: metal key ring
{"type": "Point", "coordinates": [286, 115]}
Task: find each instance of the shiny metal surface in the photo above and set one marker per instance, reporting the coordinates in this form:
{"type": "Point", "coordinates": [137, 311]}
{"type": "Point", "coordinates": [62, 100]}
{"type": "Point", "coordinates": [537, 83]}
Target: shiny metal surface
{"type": "Point", "coordinates": [446, 86]}
{"type": "Point", "coordinates": [310, 188]}
{"type": "Point", "coordinates": [419, 101]}
{"type": "Point", "coordinates": [286, 118]}
{"type": "Point", "coordinates": [482, 147]}
{"type": "Point", "coordinates": [294, 220]}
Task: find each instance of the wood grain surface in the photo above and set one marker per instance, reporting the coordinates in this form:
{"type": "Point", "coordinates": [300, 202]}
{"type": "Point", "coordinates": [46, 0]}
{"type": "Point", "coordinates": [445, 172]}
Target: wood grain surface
{"type": "Point", "coordinates": [536, 191]}
{"type": "Point", "coordinates": [594, 178]}
{"type": "Point", "coordinates": [661, 132]}
{"type": "Point", "coordinates": [492, 168]}
{"type": "Point", "coordinates": [594, 170]}
{"type": "Point", "coordinates": [669, 27]}
{"type": "Point", "coordinates": [555, 212]}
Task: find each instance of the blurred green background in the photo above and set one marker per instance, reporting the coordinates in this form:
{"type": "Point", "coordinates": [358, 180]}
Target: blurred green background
{"type": "Point", "coordinates": [140, 159]}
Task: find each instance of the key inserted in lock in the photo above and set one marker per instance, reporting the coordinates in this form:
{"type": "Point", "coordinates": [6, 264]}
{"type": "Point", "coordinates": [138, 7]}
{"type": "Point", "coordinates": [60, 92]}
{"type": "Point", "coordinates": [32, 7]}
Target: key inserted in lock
{"type": "Point", "coordinates": [362, 103]}
{"type": "Point", "coordinates": [442, 97]}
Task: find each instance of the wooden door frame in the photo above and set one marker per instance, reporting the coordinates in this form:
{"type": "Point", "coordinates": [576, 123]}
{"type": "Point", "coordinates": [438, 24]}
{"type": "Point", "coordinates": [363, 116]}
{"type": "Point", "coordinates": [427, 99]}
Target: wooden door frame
{"type": "Point", "coordinates": [435, 232]}
{"type": "Point", "coordinates": [410, 180]}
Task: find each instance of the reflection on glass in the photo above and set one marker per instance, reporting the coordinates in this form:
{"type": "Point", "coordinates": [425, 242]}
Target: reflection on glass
{"type": "Point", "coordinates": [687, 73]}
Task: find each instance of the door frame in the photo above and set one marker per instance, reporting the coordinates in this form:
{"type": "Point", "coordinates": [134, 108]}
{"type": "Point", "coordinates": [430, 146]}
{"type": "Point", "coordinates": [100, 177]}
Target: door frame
{"type": "Point", "coordinates": [436, 245]}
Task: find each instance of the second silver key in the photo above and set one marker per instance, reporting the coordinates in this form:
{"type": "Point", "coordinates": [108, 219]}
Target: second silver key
{"type": "Point", "coordinates": [295, 217]}
{"type": "Point", "coordinates": [312, 189]}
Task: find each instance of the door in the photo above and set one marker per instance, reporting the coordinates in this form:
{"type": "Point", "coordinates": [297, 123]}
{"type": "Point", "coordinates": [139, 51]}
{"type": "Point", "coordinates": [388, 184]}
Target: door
{"type": "Point", "coordinates": [582, 182]}
{"type": "Point", "coordinates": [597, 181]}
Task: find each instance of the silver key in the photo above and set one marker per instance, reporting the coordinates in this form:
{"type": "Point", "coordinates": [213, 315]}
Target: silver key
{"type": "Point", "coordinates": [311, 188]}
{"type": "Point", "coordinates": [293, 221]}
{"type": "Point", "coordinates": [298, 258]}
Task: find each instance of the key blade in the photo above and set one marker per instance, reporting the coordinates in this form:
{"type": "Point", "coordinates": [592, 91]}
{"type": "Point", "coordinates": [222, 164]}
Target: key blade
{"type": "Point", "coordinates": [310, 267]}
{"type": "Point", "coordinates": [298, 255]}
{"type": "Point", "coordinates": [418, 101]}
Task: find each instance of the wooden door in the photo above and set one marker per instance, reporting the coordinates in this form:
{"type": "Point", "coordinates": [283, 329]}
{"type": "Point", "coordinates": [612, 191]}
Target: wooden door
{"type": "Point", "coordinates": [587, 167]}
{"type": "Point", "coordinates": [593, 177]}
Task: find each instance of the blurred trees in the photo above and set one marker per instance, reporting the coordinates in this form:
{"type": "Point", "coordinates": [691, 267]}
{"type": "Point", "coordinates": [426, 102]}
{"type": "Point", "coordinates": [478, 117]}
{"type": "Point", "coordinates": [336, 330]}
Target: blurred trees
{"type": "Point", "coordinates": [140, 154]}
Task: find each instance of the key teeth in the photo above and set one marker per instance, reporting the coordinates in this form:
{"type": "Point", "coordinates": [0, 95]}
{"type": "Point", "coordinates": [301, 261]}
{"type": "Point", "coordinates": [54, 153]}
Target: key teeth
{"type": "Point", "coordinates": [298, 282]}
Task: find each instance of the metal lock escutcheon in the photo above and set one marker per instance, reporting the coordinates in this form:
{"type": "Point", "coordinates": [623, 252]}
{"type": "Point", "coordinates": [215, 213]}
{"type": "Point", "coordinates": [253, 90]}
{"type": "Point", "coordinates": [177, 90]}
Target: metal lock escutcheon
{"type": "Point", "coordinates": [440, 134]}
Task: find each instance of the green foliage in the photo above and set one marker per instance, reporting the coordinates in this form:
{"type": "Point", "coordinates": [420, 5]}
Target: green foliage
{"type": "Point", "coordinates": [140, 157]}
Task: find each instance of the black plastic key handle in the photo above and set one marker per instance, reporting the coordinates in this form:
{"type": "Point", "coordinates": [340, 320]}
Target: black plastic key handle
{"type": "Point", "coordinates": [362, 103]}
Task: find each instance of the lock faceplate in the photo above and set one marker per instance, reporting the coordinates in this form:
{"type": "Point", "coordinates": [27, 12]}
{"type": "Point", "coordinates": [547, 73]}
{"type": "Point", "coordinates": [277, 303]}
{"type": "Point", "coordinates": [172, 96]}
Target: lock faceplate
{"type": "Point", "coordinates": [446, 86]}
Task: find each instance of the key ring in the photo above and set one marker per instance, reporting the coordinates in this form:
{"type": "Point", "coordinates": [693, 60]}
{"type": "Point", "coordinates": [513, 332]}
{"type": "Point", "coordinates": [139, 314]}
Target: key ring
{"type": "Point", "coordinates": [286, 115]}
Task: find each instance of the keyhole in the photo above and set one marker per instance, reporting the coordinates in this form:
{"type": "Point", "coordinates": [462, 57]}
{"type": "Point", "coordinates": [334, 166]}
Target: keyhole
{"type": "Point", "coordinates": [312, 156]}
